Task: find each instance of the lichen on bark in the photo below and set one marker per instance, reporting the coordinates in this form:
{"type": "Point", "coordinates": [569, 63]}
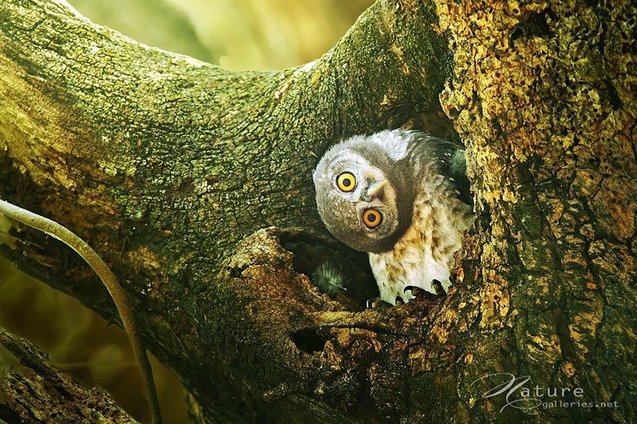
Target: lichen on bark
{"type": "Point", "coordinates": [543, 96]}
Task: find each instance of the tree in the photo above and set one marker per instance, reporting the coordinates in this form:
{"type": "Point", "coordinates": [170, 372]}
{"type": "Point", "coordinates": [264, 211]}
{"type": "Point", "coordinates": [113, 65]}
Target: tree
{"type": "Point", "coordinates": [195, 185]}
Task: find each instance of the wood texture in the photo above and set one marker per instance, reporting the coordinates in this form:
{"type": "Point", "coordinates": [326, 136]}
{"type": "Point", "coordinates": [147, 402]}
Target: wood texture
{"type": "Point", "coordinates": [39, 393]}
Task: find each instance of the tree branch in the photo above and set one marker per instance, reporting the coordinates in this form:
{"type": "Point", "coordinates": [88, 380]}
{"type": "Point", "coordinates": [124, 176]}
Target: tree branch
{"type": "Point", "coordinates": [42, 394]}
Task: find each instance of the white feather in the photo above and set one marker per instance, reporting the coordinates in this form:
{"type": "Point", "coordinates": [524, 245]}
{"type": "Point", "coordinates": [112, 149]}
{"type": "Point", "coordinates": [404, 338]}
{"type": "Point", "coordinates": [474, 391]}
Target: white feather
{"type": "Point", "coordinates": [394, 142]}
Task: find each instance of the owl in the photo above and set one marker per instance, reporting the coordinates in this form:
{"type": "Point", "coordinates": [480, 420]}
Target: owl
{"type": "Point", "coordinates": [402, 197]}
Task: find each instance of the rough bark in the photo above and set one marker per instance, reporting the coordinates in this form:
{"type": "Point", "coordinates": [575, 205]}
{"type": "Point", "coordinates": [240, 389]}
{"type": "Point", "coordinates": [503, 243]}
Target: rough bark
{"type": "Point", "coordinates": [39, 393]}
{"type": "Point", "coordinates": [544, 97]}
{"type": "Point", "coordinates": [195, 185]}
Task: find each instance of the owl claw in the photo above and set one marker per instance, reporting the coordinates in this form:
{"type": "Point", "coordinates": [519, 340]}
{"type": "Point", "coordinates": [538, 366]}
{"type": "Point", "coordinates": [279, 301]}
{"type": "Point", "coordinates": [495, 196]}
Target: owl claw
{"type": "Point", "coordinates": [415, 290]}
{"type": "Point", "coordinates": [399, 301]}
{"type": "Point", "coordinates": [437, 285]}
{"type": "Point", "coordinates": [420, 292]}
{"type": "Point", "coordinates": [375, 302]}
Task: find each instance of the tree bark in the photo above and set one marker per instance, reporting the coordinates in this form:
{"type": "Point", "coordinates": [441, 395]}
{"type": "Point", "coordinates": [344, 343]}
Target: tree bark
{"type": "Point", "coordinates": [40, 393]}
{"type": "Point", "coordinates": [195, 186]}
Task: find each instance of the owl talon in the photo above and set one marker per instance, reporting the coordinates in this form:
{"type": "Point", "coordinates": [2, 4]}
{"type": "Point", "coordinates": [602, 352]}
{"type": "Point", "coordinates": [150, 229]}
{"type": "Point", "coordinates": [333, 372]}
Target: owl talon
{"type": "Point", "coordinates": [399, 301]}
{"type": "Point", "coordinates": [437, 285]}
{"type": "Point", "coordinates": [375, 303]}
{"type": "Point", "coordinates": [415, 291]}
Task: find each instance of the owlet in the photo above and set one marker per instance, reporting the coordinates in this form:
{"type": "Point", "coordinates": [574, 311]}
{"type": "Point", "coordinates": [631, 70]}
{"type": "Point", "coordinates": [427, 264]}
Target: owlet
{"type": "Point", "coordinates": [403, 197]}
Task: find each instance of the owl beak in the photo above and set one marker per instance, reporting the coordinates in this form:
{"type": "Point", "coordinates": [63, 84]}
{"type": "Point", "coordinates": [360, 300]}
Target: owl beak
{"type": "Point", "coordinates": [376, 189]}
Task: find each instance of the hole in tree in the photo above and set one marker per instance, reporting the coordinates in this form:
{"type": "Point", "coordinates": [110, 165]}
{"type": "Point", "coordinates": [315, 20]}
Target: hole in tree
{"type": "Point", "coordinates": [308, 341]}
{"type": "Point", "coordinates": [311, 252]}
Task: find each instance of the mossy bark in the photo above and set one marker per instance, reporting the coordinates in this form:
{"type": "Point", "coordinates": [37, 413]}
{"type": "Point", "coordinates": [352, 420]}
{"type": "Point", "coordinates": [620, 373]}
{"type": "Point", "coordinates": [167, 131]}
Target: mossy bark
{"type": "Point", "coordinates": [544, 97]}
{"type": "Point", "coordinates": [195, 185]}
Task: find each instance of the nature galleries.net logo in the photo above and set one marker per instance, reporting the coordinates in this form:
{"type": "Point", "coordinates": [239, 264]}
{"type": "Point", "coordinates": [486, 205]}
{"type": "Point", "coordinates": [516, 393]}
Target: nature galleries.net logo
{"type": "Point", "coordinates": [521, 393]}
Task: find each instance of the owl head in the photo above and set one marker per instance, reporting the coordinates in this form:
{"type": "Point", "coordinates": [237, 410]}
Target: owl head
{"type": "Point", "coordinates": [364, 195]}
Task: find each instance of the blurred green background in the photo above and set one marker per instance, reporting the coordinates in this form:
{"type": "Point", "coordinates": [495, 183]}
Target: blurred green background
{"type": "Point", "coordinates": [237, 34]}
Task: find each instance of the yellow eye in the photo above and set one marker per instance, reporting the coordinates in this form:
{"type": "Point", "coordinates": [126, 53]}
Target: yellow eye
{"type": "Point", "coordinates": [372, 218]}
{"type": "Point", "coordinates": [346, 182]}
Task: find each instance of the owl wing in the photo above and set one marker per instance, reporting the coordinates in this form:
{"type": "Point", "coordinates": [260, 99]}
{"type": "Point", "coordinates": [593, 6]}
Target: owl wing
{"type": "Point", "coordinates": [451, 164]}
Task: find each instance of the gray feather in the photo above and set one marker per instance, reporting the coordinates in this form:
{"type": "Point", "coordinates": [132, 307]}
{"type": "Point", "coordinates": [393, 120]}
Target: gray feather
{"type": "Point", "coordinates": [329, 278]}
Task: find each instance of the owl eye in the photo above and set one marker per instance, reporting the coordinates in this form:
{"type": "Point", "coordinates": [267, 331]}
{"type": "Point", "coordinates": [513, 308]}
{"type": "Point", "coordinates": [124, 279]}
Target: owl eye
{"type": "Point", "coordinates": [346, 182]}
{"type": "Point", "coordinates": [372, 218]}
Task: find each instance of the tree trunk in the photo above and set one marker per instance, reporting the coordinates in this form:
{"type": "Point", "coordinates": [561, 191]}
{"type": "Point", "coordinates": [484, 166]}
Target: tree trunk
{"type": "Point", "coordinates": [195, 186]}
